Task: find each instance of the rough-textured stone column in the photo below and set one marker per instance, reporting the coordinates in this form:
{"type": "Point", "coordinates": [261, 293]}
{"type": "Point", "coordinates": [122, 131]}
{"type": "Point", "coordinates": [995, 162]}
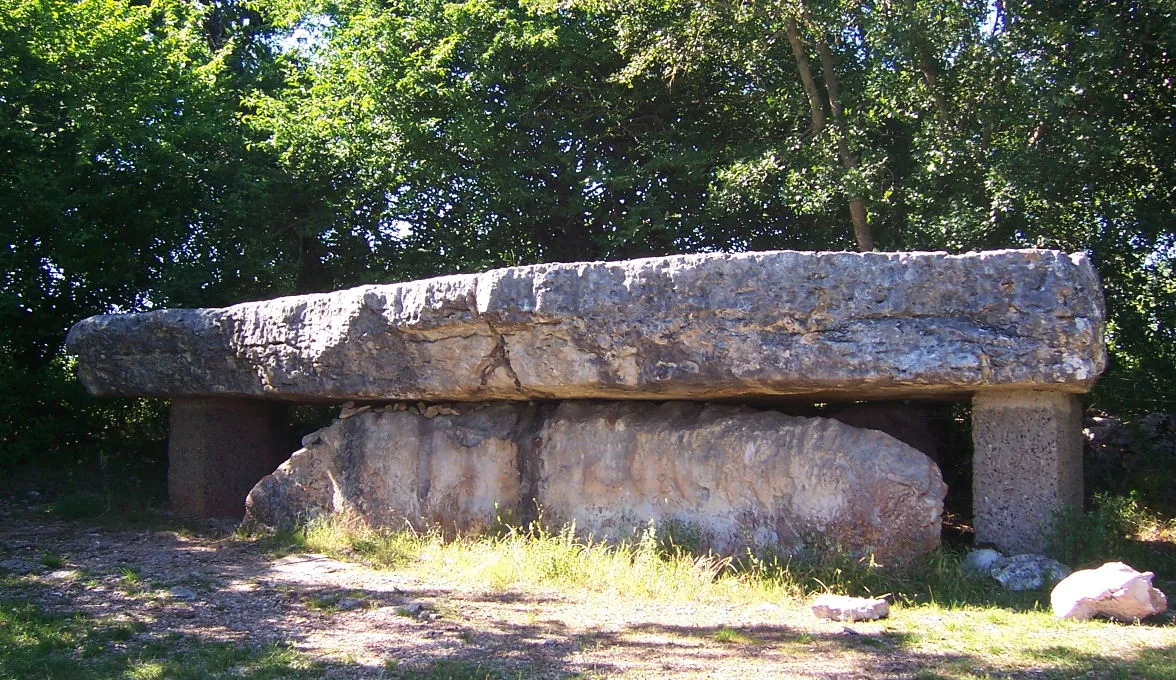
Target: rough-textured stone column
{"type": "Point", "coordinates": [1027, 465]}
{"type": "Point", "coordinates": [219, 448]}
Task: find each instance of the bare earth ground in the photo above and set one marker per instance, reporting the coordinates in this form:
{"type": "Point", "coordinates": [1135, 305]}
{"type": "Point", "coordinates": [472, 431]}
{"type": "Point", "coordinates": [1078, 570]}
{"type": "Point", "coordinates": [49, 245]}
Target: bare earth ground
{"type": "Point", "coordinates": [365, 623]}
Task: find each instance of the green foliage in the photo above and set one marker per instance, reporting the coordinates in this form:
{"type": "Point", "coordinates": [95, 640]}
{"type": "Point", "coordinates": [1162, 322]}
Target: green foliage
{"type": "Point", "coordinates": [1116, 528]}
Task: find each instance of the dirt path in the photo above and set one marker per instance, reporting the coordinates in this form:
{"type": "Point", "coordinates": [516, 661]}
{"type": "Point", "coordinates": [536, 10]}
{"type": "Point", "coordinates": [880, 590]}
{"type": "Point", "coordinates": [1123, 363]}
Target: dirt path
{"type": "Point", "coordinates": [375, 624]}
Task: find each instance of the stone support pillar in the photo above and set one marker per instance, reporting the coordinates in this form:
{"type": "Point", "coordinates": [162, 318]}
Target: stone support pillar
{"type": "Point", "coordinates": [1027, 465]}
{"type": "Point", "coordinates": [219, 448]}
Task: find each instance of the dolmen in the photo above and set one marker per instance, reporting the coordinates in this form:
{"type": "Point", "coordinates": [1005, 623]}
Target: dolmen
{"type": "Point", "coordinates": [623, 395]}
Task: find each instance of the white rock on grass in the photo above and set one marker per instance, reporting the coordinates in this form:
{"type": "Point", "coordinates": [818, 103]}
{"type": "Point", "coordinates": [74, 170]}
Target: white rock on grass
{"type": "Point", "coordinates": [980, 561]}
{"type": "Point", "coordinates": [845, 608]}
{"type": "Point", "coordinates": [1114, 590]}
{"type": "Point", "coordinates": [1027, 572]}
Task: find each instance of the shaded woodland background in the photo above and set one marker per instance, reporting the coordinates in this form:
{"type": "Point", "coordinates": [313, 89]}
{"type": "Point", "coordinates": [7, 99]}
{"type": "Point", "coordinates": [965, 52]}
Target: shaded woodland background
{"type": "Point", "coordinates": [176, 153]}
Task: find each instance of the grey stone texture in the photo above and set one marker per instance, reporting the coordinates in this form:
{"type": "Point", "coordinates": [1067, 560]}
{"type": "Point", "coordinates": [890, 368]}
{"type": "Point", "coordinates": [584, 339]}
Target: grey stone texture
{"type": "Point", "coordinates": [721, 477]}
{"type": "Point", "coordinates": [1027, 572]}
{"type": "Point", "coordinates": [826, 324]}
{"type": "Point", "coordinates": [387, 467]}
{"type": "Point", "coordinates": [1027, 465]}
{"type": "Point", "coordinates": [218, 449]}
{"type": "Point", "coordinates": [846, 608]}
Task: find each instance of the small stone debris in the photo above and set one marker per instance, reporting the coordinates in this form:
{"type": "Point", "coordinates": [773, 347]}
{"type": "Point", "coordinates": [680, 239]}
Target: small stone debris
{"type": "Point", "coordinates": [980, 561]}
{"type": "Point", "coordinates": [350, 409]}
{"type": "Point", "coordinates": [845, 608]}
{"type": "Point", "coordinates": [181, 593]}
{"type": "Point", "coordinates": [350, 603]}
{"type": "Point", "coordinates": [1027, 572]}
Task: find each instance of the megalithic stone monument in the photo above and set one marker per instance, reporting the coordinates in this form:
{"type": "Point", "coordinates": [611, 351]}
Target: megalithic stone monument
{"type": "Point", "coordinates": [1018, 331]}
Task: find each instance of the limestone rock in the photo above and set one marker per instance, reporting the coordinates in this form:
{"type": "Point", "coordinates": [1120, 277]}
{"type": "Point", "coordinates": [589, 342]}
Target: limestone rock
{"type": "Point", "coordinates": [721, 477]}
{"type": "Point", "coordinates": [181, 593]}
{"type": "Point", "coordinates": [980, 561]}
{"type": "Point", "coordinates": [685, 327]}
{"type": "Point", "coordinates": [1114, 590]}
{"type": "Point", "coordinates": [734, 477]}
{"type": "Point", "coordinates": [388, 467]}
{"type": "Point", "coordinates": [1027, 572]}
{"type": "Point", "coordinates": [845, 608]}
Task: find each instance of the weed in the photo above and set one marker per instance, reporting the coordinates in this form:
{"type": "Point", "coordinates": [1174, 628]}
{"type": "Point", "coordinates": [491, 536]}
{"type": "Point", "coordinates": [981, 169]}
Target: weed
{"type": "Point", "coordinates": [130, 581]}
{"type": "Point", "coordinates": [129, 575]}
{"type": "Point", "coordinates": [51, 559]}
{"type": "Point", "coordinates": [731, 636]}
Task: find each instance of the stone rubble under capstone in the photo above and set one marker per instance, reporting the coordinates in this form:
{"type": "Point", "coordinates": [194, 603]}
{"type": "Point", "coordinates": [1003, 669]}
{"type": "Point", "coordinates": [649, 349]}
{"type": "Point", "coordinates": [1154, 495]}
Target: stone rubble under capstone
{"type": "Point", "coordinates": [1017, 572]}
{"type": "Point", "coordinates": [719, 477]}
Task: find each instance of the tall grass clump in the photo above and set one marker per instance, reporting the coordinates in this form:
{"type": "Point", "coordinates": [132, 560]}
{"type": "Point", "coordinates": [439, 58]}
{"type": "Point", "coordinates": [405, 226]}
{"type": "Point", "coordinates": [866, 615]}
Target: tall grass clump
{"type": "Point", "coordinates": [646, 567]}
{"type": "Point", "coordinates": [1115, 528]}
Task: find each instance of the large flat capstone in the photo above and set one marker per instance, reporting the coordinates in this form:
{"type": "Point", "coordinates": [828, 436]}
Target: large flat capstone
{"type": "Point", "coordinates": [721, 477]}
{"type": "Point", "coordinates": [853, 325]}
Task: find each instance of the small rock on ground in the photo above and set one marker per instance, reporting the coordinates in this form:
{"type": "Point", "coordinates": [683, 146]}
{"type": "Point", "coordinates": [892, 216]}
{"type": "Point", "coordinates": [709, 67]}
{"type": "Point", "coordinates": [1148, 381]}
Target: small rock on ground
{"type": "Point", "coordinates": [845, 608]}
{"type": "Point", "coordinates": [1027, 572]}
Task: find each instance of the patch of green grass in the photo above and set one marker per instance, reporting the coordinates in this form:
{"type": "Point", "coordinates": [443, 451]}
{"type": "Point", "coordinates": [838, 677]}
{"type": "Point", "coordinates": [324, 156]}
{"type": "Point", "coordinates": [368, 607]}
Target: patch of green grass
{"type": "Point", "coordinates": [731, 636]}
{"type": "Point", "coordinates": [329, 602]}
{"type": "Point", "coordinates": [37, 644]}
{"type": "Point", "coordinates": [130, 581]}
{"type": "Point", "coordinates": [648, 567]}
{"type": "Point", "coordinates": [978, 642]}
{"type": "Point", "coordinates": [51, 559]}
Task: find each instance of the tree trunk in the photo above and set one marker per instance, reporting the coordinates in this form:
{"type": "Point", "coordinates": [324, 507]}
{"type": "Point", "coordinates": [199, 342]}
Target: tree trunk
{"type": "Point", "coordinates": [857, 206]}
{"type": "Point", "coordinates": [861, 228]}
{"type": "Point", "coordinates": [806, 76]}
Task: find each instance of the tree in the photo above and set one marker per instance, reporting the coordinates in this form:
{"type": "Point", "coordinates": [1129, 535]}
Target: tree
{"type": "Point", "coordinates": [127, 182]}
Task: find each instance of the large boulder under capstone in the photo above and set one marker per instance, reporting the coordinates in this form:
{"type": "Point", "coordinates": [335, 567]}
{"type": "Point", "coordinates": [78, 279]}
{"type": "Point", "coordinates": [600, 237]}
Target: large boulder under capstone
{"type": "Point", "coordinates": [731, 477]}
{"type": "Point", "coordinates": [706, 327]}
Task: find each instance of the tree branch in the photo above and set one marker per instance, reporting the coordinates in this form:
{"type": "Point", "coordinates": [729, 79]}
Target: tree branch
{"type": "Point", "coordinates": [806, 76]}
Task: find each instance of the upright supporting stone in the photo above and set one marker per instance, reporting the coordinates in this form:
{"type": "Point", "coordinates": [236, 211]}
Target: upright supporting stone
{"type": "Point", "coordinates": [1026, 467]}
{"type": "Point", "coordinates": [219, 448]}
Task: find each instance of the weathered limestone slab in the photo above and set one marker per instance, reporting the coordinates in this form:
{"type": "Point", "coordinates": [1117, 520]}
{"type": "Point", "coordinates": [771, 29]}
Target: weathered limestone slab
{"type": "Point", "coordinates": [728, 477]}
{"type": "Point", "coordinates": [1027, 465]}
{"type": "Point", "coordinates": [390, 467]}
{"type": "Point", "coordinates": [218, 449]}
{"type": "Point", "coordinates": [857, 325]}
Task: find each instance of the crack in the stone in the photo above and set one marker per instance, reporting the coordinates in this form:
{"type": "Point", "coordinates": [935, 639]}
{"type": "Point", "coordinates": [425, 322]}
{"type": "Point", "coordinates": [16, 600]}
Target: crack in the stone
{"type": "Point", "coordinates": [498, 357]}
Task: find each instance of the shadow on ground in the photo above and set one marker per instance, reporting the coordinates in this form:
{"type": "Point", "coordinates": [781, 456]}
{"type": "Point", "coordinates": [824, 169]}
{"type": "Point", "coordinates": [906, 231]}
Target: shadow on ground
{"type": "Point", "coordinates": [81, 601]}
